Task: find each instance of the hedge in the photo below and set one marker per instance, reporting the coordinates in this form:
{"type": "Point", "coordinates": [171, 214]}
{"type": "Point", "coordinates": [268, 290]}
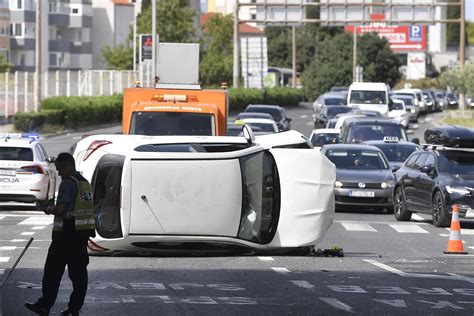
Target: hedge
{"type": "Point", "coordinates": [73, 112]}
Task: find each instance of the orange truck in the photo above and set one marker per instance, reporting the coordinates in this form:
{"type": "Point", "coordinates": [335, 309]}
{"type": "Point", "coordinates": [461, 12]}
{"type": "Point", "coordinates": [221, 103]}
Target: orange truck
{"type": "Point", "coordinates": [165, 111]}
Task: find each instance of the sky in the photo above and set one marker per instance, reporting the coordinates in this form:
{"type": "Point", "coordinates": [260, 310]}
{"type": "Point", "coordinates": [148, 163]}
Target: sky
{"type": "Point", "coordinates": [470, 10]}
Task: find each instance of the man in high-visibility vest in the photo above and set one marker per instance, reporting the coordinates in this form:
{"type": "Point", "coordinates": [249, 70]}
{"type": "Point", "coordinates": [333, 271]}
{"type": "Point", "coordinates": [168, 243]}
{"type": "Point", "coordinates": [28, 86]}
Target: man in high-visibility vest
{"type": "Point", "coordinates": [74, 223]}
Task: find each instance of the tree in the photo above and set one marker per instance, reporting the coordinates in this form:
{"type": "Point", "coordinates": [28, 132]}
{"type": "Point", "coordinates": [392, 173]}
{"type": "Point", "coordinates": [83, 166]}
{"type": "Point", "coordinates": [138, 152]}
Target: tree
{"type": "Point", "coordinates": [174, 24]}
{"type": "Point", "coordinates": [118, 58]}
{"type": "Point", "coordinates": [459, 81]}
{"type": "Point", "coordinates": [332, 63]}
{"type": "Point", "coordinates": [4, 65]}
{"type": "Point", "coordinates": [217, 47]}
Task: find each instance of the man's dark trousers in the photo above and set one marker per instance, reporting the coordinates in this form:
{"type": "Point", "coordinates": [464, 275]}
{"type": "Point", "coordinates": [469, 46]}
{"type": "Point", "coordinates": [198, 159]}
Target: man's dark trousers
{"type": "Point", "coordinates": [70, 250]}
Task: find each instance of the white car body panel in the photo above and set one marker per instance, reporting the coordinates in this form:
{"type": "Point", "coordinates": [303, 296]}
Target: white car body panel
{"type": "Point", "coordinates": [197, 197]}
{"type": "Point", "coordinates": [401, 116]}
{"type": "Point", "coordinates": [369, 86]}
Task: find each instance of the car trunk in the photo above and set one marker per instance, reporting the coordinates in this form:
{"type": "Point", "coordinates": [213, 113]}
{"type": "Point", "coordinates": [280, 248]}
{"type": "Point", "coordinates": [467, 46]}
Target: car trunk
{"type": "Point", "coordinates": [186, 197]}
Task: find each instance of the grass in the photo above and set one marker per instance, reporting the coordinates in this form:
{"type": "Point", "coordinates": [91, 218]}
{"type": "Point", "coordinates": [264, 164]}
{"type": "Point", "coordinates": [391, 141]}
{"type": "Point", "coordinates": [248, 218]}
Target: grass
{"type": "Point", "coordinates": [468, 122]}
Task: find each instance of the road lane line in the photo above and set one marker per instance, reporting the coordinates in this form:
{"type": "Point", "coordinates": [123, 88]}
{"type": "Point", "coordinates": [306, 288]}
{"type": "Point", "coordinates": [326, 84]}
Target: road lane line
{"type": "Point", "coordinates": [337, 304]}
{"type": "Point", "coordinates": [358, 227]}
{"type": "Point", "coordinates": [302, 284]}
{"type": "Point", "coordinates": [27, 233]}
{"type": "Point", "coordinates": [2, 217]}
{"type": "Point", "coordinates": [37, 227]}
{"type": "Point", "coordinates": [7, 248]}
{"type": "Point", "coordinates": [382, 223]}
{"type": "Point", "coordinates": [408, 229]}
{"type": "Point", "coordinates": [4, 259]}
{"type": "Point", "coordinates": [281, 270]}
{"type": "Point", "coordinates": [417, 218]}
{"type": "Point", "coordinates": [303, 116]}
{"type": "Point", "coordinates": [384, 266]}
{"type": "Point", "coordinates": [266, 258]}
{"type": "Point", "coordinates": [37, 221]}
{"type": "Point", "coordinates": [464, 231]}
{"type": "Point", "coordinates": [471, 247]}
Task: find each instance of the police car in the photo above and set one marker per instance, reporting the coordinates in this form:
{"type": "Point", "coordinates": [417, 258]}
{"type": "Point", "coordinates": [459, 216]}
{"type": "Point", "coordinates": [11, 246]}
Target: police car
{"type": "Point", "coordinates": [27, 174]}
{"type": "Point", "coordinates": [193, 193]}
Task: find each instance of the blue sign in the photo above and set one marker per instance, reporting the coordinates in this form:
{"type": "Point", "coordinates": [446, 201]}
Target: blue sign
{"type": "Point", "coordinates": [416, 33]}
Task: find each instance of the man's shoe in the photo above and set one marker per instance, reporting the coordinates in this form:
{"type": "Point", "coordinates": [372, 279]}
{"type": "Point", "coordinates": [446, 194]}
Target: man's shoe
{"type": "Point", "coordinates": [70, 312]}
{"type": "Point", "coordinates": [37, 308]}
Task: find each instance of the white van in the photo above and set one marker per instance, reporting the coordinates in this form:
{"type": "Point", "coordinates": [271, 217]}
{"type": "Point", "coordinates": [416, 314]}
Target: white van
{"type": "Point", "coordinates": [369, 96]}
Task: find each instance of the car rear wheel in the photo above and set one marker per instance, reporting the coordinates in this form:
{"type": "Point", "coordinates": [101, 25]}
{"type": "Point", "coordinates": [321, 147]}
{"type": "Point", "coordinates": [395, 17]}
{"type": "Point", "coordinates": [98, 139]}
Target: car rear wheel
{"type": "Point", "coordinates": [441, 217]}
{"type": "Point", "coordinates": [399, 208]}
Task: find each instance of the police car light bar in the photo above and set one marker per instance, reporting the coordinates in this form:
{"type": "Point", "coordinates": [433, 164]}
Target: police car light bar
{"type": "Point", "coordinates": [19, 136]}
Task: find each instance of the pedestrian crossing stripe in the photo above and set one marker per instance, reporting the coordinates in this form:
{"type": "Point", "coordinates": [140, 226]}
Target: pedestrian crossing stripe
{"type": "Point", "coordinates": [37, 221]}
{"type": "Point", "coordinates": [464, 231]}
{"type": "Point", "coordinates": [4, 259]}
{"type": "Point", "coordinates": [2, 217]}
{"type": "Point", "coordinates": [358, 227]}
{"type": "Point", "coordinates": [414, 229]}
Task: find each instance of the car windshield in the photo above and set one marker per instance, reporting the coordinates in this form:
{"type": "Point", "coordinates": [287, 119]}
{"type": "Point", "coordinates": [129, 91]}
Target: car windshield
{"type": "Point", "coordinates": [234, 130]}
{"type": "Point", "coordinates": [332, 123]}
{"type": "Point", "coordinates": [368, 97]}
{"type": "Point", "coordinates": [451, 96]}
{"type": "Point", "coordinates": [408, 101]}
{"type": "Point", "coordinates": [365, 132]}
{"type": "Point", "coordinates": [456, 162]}
{"type": "Point", "coordinates": [333, 111]}
{"type": "Point", "coordinates": [264, 127]}
{"type": "Point", "coordinates": [439, 95]}
{"type": "Point", "coordinates": [335, 101]}
{"type": "Point", "coordinates": [260, 198]}
{"type": "Point", "coordinates": [275, 113]}
{"type": "Point", "coordinates": [357, 159]}
{"type": "Point", "coordinates": [397, 152]}
{"type": "Point", "coordinates": [321, 139]}
{"type": "Point", "coordinates": [397, 106]}
{"type": "Point", "coordinates": [167, 123]}
{"type": "Point", "coordinates": [16, 153]}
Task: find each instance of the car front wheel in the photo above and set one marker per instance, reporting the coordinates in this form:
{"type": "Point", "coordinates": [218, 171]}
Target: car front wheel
{"type": "Point", "coordinates": [441, 217]}
{"type": "Point", "coordinates": [399, 208]}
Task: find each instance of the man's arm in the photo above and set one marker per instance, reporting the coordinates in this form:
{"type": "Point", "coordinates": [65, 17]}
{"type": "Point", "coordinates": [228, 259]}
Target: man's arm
{"type": "Point", "coordinates": [66, 196]}
{"type": "Point", "coordinates": [57, 210]}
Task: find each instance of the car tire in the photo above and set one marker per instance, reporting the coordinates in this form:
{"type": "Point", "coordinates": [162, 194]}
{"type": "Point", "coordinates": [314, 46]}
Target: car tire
{"type": "Point", "coordinates": [399, 206]}
{"type": "Point", "coordinates": [441, 217]}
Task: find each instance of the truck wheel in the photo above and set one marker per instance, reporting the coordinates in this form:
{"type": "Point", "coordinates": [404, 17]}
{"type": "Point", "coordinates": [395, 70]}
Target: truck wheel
{"type": "Point", "coordinates": [441, 217]}
{"type": "Point", "coordinates": [399, 207]}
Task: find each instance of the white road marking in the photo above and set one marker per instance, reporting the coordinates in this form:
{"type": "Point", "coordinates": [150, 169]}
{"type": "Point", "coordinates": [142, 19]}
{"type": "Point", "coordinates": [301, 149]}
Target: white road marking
{"type": "Point", "coordinates": [358, 227]}
{"type": "Point", "coordinates": [471, 247]}
{"type": "Point", "coordinates": [2, 217]}
{"type": "Point", "coordinates": [7, 248]}
{"type": "Point", "coordinates": [417, 218]}
{"type": "Point", "coordinates": [447, 235]}
{"type": "Point", "coordinates": [37, 221]}
{"type": "Point", "coordinates": [37, 227]}
{"type": "Point", "coordinates": [4, 259]}
{"type": "Point", "coordinates": [266, 258]}
{"type": "Point", "coordinates": [334, 302]}
{"type": "Point", "coordinates": [464, 231]}
{"type": "Point", "coordinates": [302, 284]}
{"type": "Point", "coordinates": [411, 229]}
{"type": "Point", "coordinates": [304, 116]}
{"type": "Point", "coordinates": [418, 275]}
{"type": "Point", "coordinates": [310, 123]}
{"type": "Point", "coordinates": [27, 233]}
{"type": "Point", "coordinates": [281, 270]}
{"type": "Point", "coordinates": [17, 240]}
{"type": "Point", "coordinates": [381, 223]}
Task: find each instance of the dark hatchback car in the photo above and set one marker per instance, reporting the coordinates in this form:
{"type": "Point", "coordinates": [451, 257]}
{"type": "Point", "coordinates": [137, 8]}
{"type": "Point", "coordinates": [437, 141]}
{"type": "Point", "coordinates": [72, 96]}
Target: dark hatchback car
{"type": "Point", "coordinates": [431, 181]}
{"type": "Point", "coordinates": [364, 179]}
{"type": "Point", "coordinates": [277, 112]}
{"type": "Point", "coordinates": [245, 115]}
{"type": "Point", "coordinates": [328, 112]}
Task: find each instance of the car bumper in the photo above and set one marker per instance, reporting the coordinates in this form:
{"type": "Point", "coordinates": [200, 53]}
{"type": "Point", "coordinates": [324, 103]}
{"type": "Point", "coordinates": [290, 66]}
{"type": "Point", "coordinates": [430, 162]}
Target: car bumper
{"type": "Point", "coordinates": [24, 189]}
{"type": "Point", "coordinates": [381, 198]}
{"type": "Point", "coordinates": [465, 203]}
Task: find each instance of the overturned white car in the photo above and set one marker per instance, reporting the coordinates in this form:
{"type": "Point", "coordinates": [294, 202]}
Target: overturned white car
{"type": "Point", "coordinates": [167, 193]}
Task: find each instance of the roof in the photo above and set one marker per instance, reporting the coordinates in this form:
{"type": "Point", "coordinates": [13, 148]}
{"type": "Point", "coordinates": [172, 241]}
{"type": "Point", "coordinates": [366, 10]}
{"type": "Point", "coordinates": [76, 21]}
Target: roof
{"type": "Point", "coordinates": [368, 86]}
{"type": "Point", "coordinates": [244, 28]}
{"type": "Point", "coordinates": [263, 106]}
{"type": "Point", "coordinates": [326, 131]}
{"type": "Point", "coordinates": [259, 120]}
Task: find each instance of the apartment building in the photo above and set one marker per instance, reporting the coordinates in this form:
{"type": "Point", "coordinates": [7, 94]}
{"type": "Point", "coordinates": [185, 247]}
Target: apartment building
{"type": "Point", "coordinates": [227, 7]}
{"type": "Point", "coordinates": [5, 28]}
{"type": "Point", "coordinates": [66, 34]}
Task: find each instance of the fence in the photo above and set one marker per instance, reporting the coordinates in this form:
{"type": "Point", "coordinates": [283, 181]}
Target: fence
{"type": "Point", "coordinates": [17, 94]}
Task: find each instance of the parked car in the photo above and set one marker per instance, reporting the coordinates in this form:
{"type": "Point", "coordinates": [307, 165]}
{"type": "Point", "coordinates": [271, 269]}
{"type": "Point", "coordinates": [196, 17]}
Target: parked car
{"type": "Point", "coordinates": [277, 112]}
{"type": "Point", "coordinates": [396, 151]}
{"type": "Point", "coordinates": [328, 112]}
{"type": "Point", "coordinates": [432, 180]}
{"type": "Point", "coordinates": [364, 179]}
{"type": "Point", "coordinates": [324, 136]}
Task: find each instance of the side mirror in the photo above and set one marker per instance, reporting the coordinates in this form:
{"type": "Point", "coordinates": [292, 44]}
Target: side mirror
{"type": "Point", "coordinates": [395, 169]}
{"type": "Point", "coordinates": [427, 169]}
{"type": "Point", "coordinates": [51, 159]}
{"type": "Point", "coordinates": [416, 140]}
{"type": "Point", "coordinates": [248, 134]}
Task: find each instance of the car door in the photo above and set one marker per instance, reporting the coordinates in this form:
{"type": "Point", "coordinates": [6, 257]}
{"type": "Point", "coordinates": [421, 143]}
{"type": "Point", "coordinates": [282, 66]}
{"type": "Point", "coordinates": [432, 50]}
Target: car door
{"type": "Point", "coordinates": [406, 175]}
{"type": "Point", "coordinates": [51, 170]}
{"type": "Point", "coordinates": [416, 177]}
{"type": "Point", "coordinates": [425, 182]}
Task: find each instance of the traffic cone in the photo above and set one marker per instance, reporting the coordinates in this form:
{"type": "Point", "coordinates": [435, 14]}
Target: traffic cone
{"type": "Point", "coordinates": [455, 246]}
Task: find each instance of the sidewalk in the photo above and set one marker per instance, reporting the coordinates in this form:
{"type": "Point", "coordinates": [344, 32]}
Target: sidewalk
{"type": "Point", "coordinates": [6, 128]}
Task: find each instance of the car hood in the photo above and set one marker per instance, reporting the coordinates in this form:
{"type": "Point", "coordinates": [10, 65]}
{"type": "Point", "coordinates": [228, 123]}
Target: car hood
{"type": "Point", "coordinates": [463, 180]}
{"type": "Point", "coordinates": [363, 175]}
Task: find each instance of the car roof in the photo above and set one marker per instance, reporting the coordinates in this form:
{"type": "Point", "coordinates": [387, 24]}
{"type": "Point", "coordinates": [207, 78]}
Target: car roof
{"type": "Point", "coordinates": [365, 120]}
{"type": "Point", "coordinates": [326, 130]}
{"type": "Point", "coordinates": [352, 147]}
{"type": "Point", "coordinates": [368, 86]}
{"type": "Point", "coordinates": [332, 94]}
{"type": "Point", "coordinates": [269, 106]}
{"type": "Point", "coordinates": [16, 140]}
{"type": "Point", "coordinates": [255, 114]}
{"type": "Point", "coordinates": [259, 120]}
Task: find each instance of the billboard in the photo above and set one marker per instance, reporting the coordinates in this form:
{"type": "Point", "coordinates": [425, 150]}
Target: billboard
{"type": "Point", "coordinates": [280, 12]}
{"type": "Point", "coordinates": [146, 42]}
{"type": "Point", "coordinates": [416, 66]}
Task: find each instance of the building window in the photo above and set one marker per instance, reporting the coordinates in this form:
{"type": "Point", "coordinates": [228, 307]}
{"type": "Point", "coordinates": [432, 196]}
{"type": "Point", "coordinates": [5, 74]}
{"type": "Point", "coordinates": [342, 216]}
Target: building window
{"type": "Point", "coordinates": [75, 11]}
{"type": "Point", "coordinates": [79, 35]}
{"type": "Point", "coordinates": [22, 59]}
{"type": "Point", "coordinates": [53, 59]}
{"type": "Point", "coordinates": [253, 16]}
{"type": "Point", "coordinates": [19, 4]}
{"type": "Point", "coordinates": [253, 1]}
{"type": "Point", "coordinates": [16, 29]}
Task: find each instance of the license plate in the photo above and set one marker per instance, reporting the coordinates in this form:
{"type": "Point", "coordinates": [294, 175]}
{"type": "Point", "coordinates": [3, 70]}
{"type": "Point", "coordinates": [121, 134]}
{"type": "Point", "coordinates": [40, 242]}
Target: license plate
{"type": "Point", "coordinates": [7, 172]}
{"type": "Point", "coordinates": [362, 193]}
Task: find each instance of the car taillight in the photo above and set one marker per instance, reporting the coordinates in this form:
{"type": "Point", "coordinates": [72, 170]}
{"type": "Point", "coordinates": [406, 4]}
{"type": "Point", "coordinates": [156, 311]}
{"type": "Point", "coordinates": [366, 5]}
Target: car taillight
{"type": "Point", "coordinates": [92, 246]}
{"type": "Point", "coordinates": [34, 169]}
{"type": "Point", "coordinates": [96, 144]}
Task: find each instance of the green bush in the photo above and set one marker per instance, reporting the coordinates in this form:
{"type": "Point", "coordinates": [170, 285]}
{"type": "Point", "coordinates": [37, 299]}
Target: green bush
{"type": "Point", "coordinates": [239, 98]}
{"type": "Point", "coordinates": [33, 121]}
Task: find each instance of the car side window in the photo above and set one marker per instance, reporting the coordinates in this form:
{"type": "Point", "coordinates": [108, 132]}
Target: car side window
{"type": "Point", "coordinates": [420, 161]}
{"type": "Point", "coordinates": [41, 148]}
{"type": "Point", "coordinates": [411, 160]}
{"type": "Point", "coordinates": [430, 160]}
{"type": "Point", "coordinates": [39, 153]}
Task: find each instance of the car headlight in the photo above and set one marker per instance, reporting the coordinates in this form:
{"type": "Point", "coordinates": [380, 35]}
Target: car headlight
{"type": "Point", "coordinates": [457, 190]}
{"type": "Point", "coordinates": [387, 184]}
{"type": "Point", "coordinates": [338, 184]}
{"type": "Point", "coordinates": [413, 111]}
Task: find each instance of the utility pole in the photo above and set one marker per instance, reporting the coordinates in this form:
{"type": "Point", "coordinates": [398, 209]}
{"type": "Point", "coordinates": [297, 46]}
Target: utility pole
{"type": "Point", "coordinates": [354, 56]}
{"type": "Point", "coordinates": [134, 38]}
{"type": "Point", "coordinates": [153, 42]}
{"type": "Point", "coordinates": [37, 79]}
{"type": "Point", "coordinates": [236, 74]}
{"type": "Point", "coordinates": [293, 54]}
{"type": "Point", "coordinates": [462, 41]}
